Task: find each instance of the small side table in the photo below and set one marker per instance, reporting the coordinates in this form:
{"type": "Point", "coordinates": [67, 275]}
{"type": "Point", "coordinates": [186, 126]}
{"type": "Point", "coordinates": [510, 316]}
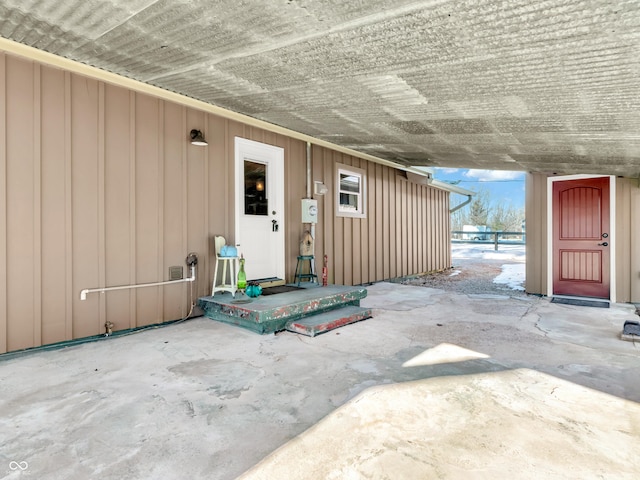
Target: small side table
{"type": "Point", "coordinates": [223, 286]}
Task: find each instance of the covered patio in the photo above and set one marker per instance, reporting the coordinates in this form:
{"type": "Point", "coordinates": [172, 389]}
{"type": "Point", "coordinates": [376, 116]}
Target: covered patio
{"type": "Point", "coordinates": [499, 386]}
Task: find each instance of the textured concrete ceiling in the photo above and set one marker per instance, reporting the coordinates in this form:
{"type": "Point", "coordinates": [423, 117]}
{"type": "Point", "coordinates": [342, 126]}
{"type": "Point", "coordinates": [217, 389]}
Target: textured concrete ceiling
{"type": "Point", "coordinates": [534, 85]}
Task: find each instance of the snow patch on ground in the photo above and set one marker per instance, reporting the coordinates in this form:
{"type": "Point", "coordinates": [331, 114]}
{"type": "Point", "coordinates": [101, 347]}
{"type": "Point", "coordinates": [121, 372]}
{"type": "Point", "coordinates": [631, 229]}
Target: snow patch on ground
{"type": "Point", "coordinates": [455, 273]}
{"type": "Point", "coordinates": [513, 256]}
{"type": "Point", "coordinates": [512, 276]}
{"type": "Point", "coordinates": [481, 251]}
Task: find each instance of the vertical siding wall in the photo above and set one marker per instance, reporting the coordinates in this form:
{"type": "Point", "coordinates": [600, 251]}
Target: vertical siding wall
{"type": "Point", "coordinates": [628, 240]}
{"type": "Point", "coordinates": [406, 230]}
{"type": "Point", "coordinates": [536, 241]}
{"type": "Point", "coordinates": [627, 237]}
{"type": "Point", "coordinates": [100, 187]}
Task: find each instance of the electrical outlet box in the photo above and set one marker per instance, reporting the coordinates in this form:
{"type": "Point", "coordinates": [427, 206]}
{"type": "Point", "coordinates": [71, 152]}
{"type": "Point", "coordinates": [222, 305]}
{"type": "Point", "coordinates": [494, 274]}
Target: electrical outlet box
{"type": "Point", "coordinates": [309, 210]}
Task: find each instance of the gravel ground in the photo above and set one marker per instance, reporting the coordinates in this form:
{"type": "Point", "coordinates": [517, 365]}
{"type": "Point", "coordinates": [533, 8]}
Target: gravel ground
{"type": "Point", "coordinates": [475, 266]}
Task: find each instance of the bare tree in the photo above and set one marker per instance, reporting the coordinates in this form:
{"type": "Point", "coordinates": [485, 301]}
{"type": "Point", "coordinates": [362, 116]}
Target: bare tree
{"type": "Point", "coordinates": [497, 216]}
{"type": "Point", "coordinates": [479, 209]}
{"type": "Point", "coordinates": [506, 218]}
{"type": "Point", "coordinates": [476, 213]}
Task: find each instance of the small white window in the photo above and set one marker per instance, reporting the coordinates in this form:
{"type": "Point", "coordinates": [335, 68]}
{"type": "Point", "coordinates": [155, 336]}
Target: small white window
{"type": "Point", "coordinates": [350, 190]}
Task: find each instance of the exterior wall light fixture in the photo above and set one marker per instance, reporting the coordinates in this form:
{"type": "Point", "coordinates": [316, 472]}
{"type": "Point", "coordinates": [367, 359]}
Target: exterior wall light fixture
{"type": "Point", "coordinates": [197, 138]}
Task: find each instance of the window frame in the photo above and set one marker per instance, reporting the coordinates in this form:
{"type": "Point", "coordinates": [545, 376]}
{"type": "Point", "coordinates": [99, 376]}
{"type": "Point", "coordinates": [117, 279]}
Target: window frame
{"type": "Point", "coordinates": [361, 211]}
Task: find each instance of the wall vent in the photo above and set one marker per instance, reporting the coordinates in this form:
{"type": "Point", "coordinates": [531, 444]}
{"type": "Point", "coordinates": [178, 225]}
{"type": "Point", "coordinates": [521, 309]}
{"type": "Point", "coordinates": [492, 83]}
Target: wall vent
{"type": "Point", "coordinates": [175, 273]}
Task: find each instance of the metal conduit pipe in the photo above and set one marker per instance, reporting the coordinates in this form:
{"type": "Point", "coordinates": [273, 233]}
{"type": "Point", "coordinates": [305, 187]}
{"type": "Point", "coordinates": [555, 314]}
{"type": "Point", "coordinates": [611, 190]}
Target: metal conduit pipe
{"type": "Point", "coordinates": [312, 229]}
{"type": "Point", "coordinates": [308, 169]}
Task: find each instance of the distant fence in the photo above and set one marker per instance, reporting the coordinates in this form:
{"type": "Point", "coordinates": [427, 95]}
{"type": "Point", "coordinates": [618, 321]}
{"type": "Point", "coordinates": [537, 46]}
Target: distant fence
{"type": "Point", "coordinates": [495, 238]}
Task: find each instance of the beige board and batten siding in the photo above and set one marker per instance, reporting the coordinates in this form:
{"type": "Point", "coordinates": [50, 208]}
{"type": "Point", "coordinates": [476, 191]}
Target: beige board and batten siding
{"type": "Point", "coordinates": [405, 230]}
{"type": "Point", "coordinates": [626, 239]}
{"type": "Point", "coordinates": [100, 191]}
{"type": "Point", "coordinates": [100, 187]}
{"type": "Point", "coordinates": [536, 237]}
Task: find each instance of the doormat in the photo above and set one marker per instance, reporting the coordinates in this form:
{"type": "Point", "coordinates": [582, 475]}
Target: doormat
{"type": "Point", "coordinates": [580, 302]}
{"type": "Point", "coordinates": [279, 289]}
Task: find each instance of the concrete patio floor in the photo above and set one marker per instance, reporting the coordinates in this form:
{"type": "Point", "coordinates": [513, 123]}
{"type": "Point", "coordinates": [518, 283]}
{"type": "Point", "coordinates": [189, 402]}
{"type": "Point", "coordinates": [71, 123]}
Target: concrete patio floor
{"type": "Point", "coordinates": [436, 385]}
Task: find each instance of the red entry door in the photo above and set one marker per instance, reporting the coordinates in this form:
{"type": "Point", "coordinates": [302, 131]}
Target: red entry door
{"type": "Point", "coordinates": [581, 237]}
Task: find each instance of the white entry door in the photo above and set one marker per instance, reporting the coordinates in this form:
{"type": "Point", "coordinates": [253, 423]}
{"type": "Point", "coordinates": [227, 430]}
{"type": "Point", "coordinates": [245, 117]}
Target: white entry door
{"type": "Point", "coordinates": [259, 215]}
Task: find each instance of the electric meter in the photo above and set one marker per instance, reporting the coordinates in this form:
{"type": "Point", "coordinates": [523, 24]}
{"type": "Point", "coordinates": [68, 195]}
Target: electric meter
{"type": "Point", "coordinates": [309, 210]}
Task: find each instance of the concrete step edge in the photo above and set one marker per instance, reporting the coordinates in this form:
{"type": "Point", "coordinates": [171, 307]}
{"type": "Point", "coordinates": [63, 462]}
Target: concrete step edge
{"type": "Point", "coordinates": [322, 322]}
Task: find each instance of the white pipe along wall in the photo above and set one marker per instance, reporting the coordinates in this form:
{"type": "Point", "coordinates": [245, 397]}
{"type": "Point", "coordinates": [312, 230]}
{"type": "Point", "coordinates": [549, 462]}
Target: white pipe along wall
{"type": "Point", "coordinates": [192, 261]}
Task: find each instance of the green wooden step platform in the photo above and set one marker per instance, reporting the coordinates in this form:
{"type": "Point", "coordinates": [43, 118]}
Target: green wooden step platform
{"type": "Point", "coordinates": [293, 310]}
